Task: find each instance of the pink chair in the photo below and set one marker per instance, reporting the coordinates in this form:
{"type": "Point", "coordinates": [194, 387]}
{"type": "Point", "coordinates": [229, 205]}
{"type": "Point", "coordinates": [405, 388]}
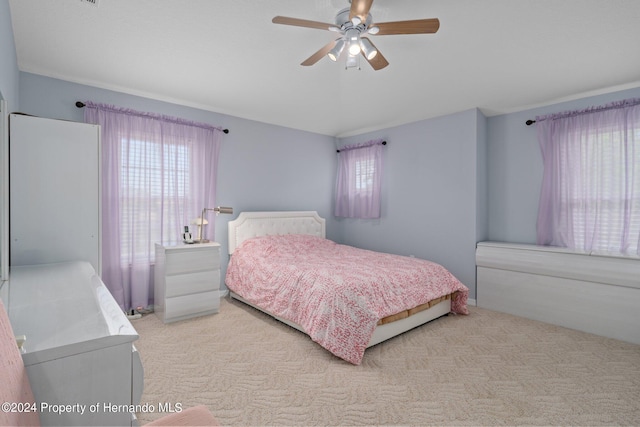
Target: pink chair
{"type": "Point", "coordinates": [16, 390]}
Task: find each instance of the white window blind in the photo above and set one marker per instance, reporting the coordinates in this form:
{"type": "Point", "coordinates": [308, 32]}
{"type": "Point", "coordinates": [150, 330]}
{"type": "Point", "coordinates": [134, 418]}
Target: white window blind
{"type": "Point", "coordinates": [605, 198]}
{"type": "Point", "coordinates": [365, 171]}
{"type": "Point", "coordinates": [155, 183]}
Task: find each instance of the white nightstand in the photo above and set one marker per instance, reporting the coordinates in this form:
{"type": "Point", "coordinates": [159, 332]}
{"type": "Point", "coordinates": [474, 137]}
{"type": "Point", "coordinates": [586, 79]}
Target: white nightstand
{"type": "Point", "coordinates": [187, 281]}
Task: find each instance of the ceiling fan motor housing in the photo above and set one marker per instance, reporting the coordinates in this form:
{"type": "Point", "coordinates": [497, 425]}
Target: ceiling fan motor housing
{"type": "Point", "coordinates": [344, 23]}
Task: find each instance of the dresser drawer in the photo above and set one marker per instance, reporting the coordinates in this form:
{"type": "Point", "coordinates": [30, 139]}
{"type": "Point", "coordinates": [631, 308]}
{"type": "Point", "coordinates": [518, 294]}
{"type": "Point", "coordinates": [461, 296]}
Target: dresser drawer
{"type": "Point", "coordinates": [191, 283]}
{"type": "Point", "coordinates": [190, 305]}
{"type": "Point", "coordinates": [187, 261]}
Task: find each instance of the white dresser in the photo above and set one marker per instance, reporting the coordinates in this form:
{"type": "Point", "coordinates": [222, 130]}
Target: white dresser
{"type": "Point", "coordinates": [79, 350]}
{"type": "Point", "coordinates": [187, 281]}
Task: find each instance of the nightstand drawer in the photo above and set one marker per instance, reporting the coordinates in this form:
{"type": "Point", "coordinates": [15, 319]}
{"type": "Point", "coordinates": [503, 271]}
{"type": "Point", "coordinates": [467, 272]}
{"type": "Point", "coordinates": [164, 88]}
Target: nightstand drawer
{"type": "Point", "coordinates": [189, 305]}
{"type": "Point", "coordinates": [191, 283]}
{"type": "Point", "coordinates": [187, 261]}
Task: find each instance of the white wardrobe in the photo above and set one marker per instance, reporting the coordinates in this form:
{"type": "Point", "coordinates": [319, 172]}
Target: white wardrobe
{"type": "Point", "coordinates": [79, 344]}
{"type": "Point", "coordinates": [54, 195]}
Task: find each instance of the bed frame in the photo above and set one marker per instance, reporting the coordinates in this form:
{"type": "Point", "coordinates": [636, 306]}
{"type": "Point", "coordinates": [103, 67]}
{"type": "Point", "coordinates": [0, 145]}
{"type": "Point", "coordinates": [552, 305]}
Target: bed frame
{"type": "Point", "coordinates": [253, 224]}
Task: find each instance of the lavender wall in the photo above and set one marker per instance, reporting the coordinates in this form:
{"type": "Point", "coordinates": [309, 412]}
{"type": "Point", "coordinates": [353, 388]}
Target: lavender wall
{"type": "Point", "coordinates": [433, 193]}
{"type": "Point", "coordinates": [515, 167]}
{"type": "Point", "coordinates": [262, 167]}
{"type": "Point", "coordinates": [8, 61]}
{"type": "Point", "coordinates": [449, 182]}
{"type": "Point", "coordinates": [8, 91]}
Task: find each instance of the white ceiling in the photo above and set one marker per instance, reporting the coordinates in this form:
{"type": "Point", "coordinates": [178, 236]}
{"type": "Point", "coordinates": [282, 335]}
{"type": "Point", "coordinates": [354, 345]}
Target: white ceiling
{"type": "Point", "coordinates": [226, 56]}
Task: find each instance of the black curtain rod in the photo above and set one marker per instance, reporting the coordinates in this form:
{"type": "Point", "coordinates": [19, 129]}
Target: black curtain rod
{"type": "Point", "coordinates": [383, 143]}
{"type": "Point", "coordinates": [631, 102]}
{"type": "Point", "coordinates": [81, 104]}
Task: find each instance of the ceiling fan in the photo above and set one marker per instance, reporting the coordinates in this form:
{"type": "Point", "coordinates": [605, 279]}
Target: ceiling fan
{"type": "Point", "coordinates": [353, 23]}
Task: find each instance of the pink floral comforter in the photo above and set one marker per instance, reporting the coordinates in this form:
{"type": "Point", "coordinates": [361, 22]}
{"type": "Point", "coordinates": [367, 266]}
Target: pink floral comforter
{"type": "Point", "coordinates": [337, 293]}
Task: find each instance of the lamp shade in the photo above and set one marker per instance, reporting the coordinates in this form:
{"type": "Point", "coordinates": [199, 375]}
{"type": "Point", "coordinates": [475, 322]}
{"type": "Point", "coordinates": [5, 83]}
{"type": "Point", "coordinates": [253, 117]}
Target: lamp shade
{"type": "Point", "coordinates": [368, 49]}
{"type": "Point", "coordinates": [353, 38]}
{"type": "Point", "coordinates": [354, 48]}
{"type": "Point", "coordinates": [200, 221]}
{"type": "Point", "coordinates": [334, 53]}
{"type": "Point", "coordinates": [224, 210]}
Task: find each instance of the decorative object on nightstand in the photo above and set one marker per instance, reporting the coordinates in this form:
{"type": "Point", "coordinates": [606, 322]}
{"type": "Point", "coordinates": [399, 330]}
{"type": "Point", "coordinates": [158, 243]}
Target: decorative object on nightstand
{"type": "Point", "coordinates": [187, 281]}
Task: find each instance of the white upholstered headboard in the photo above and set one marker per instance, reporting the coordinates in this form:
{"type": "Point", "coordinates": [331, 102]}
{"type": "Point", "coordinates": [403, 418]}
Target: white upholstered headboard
{"type": "Point", "coordinates": [253, 224]}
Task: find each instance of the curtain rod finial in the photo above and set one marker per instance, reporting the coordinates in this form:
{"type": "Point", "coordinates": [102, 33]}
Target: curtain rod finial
{"type": "Point", "coordinates": [529, 122]}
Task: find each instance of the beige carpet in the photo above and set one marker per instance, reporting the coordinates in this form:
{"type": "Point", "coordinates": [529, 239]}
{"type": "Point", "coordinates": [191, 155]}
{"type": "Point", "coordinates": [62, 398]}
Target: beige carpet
{"type": "Point", "coordinates": [487, 368]}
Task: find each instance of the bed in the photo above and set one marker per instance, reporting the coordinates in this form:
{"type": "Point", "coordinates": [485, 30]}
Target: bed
{"type": "Point", "coordinates": [346, 299]}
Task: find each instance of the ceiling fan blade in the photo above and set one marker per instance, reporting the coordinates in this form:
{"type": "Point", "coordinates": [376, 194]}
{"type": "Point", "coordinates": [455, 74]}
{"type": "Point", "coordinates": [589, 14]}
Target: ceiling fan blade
{"type": "Point", "coordinates": [417, 26]}
{"type": "Point", "coordinates": [360, 8]}
{"type": "Point", "coordinates": [319, 54]}
{"type": "Point", "coordinates": [301, 23]}
{"type": "Point", "coordinates": [378, 62]}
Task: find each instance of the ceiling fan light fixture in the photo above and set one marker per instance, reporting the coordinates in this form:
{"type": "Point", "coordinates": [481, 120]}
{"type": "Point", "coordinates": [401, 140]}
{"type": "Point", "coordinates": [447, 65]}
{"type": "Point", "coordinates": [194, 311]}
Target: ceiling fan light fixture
{"type": "Point", "coordinates": [352, 62]}
{"type": "Point", "coordinates": [335, 52]}
{"type": "Point", "coordinates": [368, 49]}
{"type": "Point", "coordinates": [353, 36]}
{"type": "Point", "coordinates": [354, 48]}
{"type": "Point", "coordinates": [353, 24]}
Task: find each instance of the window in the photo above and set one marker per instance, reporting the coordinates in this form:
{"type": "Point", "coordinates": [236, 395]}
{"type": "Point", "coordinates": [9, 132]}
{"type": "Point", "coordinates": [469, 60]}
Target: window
{"type": "Point", "coordinates": [590, 199]}
{"type": "Point", "coordinates": [601, 202]}
{"type": "Point", "coordinates": [154, 178]}
{"type": "Point", "coordinates": [358, 182]}
{"type": "Point", "coordinates": [159, 172]}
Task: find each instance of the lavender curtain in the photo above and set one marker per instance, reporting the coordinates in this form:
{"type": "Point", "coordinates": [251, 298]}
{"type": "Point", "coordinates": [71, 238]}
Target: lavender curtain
{"type": "Point", "coordinates": [590, 197]}
{"type": "Point", "coordinates": [158, 173]}
{"type": "Point", "coordinates": [359, 180]}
